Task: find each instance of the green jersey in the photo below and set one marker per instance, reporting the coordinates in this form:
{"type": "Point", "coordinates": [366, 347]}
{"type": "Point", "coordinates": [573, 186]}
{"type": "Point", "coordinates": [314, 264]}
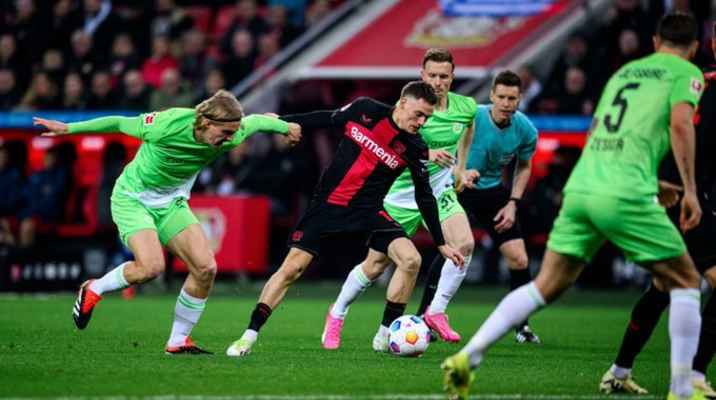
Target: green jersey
{"type": "Point", "coordinates": [442, 131]}
{"type": "Point", "coordinates": [631, 128]}
{"type": "Point", "coordinates": [170, 158]}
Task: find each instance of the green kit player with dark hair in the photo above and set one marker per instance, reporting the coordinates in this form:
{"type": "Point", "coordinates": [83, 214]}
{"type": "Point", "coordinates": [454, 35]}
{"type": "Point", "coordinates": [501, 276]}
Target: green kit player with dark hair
{"type": "Point", "coordinates": [645, 109]}
{"type": "Point", "coordinates": [149, 200]}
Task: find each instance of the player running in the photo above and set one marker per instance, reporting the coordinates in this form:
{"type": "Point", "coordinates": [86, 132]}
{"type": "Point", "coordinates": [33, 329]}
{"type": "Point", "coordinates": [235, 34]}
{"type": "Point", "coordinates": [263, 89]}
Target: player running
{"type": "Point", "coordinates": [380, 143]}
{"type": "Point", "coordinates": [504, 135]}
{"type": "Point", "coordinates": [450, 124]}
{"type": "Point", "coordinates": [610, 195]}
{"type": "Point", "coordinates": [149, 199]}
{"type": "Point", "coordinates": [699, 241]}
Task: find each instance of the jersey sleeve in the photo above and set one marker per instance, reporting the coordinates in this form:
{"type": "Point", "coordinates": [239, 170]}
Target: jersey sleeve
{"type": "Point", "coordinates": [259, 123]}
{"type": "Point", "coordinates": [428, 206]}
{"type": "Point", "coordinates": [687, 88]}
{"type": "Point", "coordinates": [529, 140]}
{"type": "Point", "coordinates": [331, 118]}
{"type": "Point", "coordinates": [128, 125]}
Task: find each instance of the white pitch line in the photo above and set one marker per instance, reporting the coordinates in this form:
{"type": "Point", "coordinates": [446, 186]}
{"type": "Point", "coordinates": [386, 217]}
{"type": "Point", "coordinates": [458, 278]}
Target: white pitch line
{"type": "Point", "coordinates": [396, 396]}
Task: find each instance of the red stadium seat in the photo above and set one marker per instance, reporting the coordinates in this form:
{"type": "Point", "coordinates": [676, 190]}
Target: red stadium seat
{"type": "Point", "coordinates": [223, 21]}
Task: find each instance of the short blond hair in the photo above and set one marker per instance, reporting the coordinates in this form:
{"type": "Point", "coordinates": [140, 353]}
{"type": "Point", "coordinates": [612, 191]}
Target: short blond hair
{"type": "Point", "coordinates": [221, 107]}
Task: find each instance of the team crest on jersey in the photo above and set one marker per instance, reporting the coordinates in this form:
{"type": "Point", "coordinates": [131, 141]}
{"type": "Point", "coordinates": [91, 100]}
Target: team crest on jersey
{"type": "Point", "coordinates": [457, 127]}
{"type": "Point", "coordinates": [149, 118]}
{"type": "Point", "coordinates": [696, 86]}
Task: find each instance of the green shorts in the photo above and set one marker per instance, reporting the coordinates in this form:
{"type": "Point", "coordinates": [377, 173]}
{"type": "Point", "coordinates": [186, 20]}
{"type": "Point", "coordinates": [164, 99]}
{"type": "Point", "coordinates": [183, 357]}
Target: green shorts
{"type": "Point", "coordinates": [641, 229]}
{"type": "Point", "coordinates": [410, 219]}
{"type": "Point", "coordinates": [131, 216]}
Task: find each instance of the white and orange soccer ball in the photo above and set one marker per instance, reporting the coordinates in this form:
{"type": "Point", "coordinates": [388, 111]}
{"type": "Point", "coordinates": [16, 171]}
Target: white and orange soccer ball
{"type": "Point", "coordinates": [409, 336]}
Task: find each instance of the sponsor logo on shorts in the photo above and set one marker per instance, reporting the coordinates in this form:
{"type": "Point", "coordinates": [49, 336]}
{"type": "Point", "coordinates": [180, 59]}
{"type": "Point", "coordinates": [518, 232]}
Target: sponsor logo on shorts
{"type": "Point", "coordinates": [297, 235]}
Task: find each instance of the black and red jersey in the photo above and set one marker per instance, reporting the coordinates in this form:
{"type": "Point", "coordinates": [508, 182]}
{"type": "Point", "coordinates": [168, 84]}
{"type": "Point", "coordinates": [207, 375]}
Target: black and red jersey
{"type": "Point", "coordinates": [705, 124]}
{"type": "Point", "coordinates": [373, 152]}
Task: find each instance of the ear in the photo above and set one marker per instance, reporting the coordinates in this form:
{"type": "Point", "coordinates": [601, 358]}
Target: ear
{"type": "Point", "coordinates": [693, 49]}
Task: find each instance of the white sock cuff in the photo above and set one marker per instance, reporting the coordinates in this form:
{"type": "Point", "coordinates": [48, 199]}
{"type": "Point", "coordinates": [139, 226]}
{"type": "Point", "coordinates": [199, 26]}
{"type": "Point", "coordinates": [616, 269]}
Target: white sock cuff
{"type": "Point", "coordinates": [191, 302]}
{"type": "Point", "coordinates": [535, 295]}
{"type": "Point", "coordinates": [685, 296]}
{"type": "Point", "coordinates": [119, 274]}
{"type": "Point", "coordinates": [360, 276]}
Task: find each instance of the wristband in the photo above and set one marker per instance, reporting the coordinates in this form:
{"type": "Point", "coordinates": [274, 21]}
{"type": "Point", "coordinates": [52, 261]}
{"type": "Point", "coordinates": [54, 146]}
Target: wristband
{"type": "Point", "coordinates": [517, 200]}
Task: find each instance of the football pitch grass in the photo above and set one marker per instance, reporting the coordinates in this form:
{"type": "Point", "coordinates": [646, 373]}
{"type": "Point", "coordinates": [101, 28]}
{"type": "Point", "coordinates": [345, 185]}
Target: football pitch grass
{"type": "Point", "coordinates": [120, 355]}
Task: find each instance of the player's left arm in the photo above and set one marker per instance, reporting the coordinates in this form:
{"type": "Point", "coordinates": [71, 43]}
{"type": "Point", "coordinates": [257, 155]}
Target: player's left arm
{"type": "Point", "coordinates": [427, 204]}
{"type": "Point", "coordinates": [267, 123]}
{"type": "Point", "coordinates": [128, 125]}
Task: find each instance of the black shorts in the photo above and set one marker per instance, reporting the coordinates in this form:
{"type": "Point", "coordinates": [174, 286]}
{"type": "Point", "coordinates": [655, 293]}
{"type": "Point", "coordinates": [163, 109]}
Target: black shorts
{"type": "Point", "coordinates": [481, 205]}
{"type": "Point", "coordinates": [700, 241]}
{"type": "Point", "coordinates": [372, 226]}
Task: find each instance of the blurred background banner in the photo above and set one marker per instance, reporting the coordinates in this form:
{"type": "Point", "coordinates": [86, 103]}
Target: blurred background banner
{"type": "Point", "coordinates": [479, 35]}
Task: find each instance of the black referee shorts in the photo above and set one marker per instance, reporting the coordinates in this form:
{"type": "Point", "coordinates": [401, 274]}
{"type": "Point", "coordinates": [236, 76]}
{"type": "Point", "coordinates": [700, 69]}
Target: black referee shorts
{"type": "Point", "coordinates": [373, 227]}
{"type": "Point", "coordinates": [481, 205]}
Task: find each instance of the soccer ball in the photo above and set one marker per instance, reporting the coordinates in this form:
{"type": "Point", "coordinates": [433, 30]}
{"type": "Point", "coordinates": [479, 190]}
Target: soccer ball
{"type": "Point", "coordinates": [409, 336]}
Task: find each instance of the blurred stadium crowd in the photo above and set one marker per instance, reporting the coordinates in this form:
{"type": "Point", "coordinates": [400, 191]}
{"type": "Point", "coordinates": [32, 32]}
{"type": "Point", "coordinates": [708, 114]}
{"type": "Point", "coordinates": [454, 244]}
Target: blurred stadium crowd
{"type": "Point", "coordinates": [140, 55]}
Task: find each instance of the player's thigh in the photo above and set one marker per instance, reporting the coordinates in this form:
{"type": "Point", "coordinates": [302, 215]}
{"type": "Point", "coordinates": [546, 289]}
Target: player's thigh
{"type": "Point", "coordinates": [675, 273]}
{"type": "Point", "coordinates": [641, 229]}
{"type": "Point", "coordinates": [130, 216]}
{"type": "Point", "coordinates": [454, 223]}
{"type": "Point", "coordinates": [573, 233]}
{"type": "Point", "coordinates": [408, 218]}
{"type": "Point", "coordinates": [147, 250]}
{"type": "Point", "coordinates": [403, 253]}
{"type": "Point", "coordinates": [174, 219]}
{"type": "Point", "coordinates": [515, 251]}
{"type": "Point", "coordinates": [192, 246]}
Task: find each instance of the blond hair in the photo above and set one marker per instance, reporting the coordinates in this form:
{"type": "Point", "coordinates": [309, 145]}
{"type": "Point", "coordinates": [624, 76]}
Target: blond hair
{"type": "Point", "coordinates": [221, 107]}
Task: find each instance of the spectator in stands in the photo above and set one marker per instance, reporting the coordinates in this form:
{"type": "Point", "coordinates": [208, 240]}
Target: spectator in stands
{"type": "Point", "coordinates": [316, 12]}
{"type": "Point", "coordinates": [531, 87]}
{"type": "Point", "coordinates": [11, 180]}
{"type": "Point", "coordinates": [42, 94]}
{"type": "Point", "coordinates": [136, 93]}
{"type": "Point", "coordinates": [45, 197]}
{"type": "Point", "coordinates": [170, 20]}
{"type": "Point", "coordinates": [159, 61]}
{"type": "Point", "coordinates": [295, 10]}
{"type": "Point", "coordinates": [74, 97]}
{"type": "Point", "coordinates": [277, 20]}
{"type": "Point", "coordinates": [53, 63]}
{"type": "Point", "coordinates": [101, 24]}
{"type": "Point", "coordinates": [214, 81]}
{"type": "Point", "coordinates": [172, 93]}
{"type": "Point", "coordinates": [268, 46]}
{"type": "Point", "coordinates": [629, 49]}
{"type": "Point", "coordinates": [82, 59]}
{"type": "Point", "coordinates": [65, 19]}
{"type": "Point", "coordinates": [575, 99]}
{"type": "Point", "coordinates": [575, 54]}
{"type": "Point", "coordinates": [240, 62]}
{"type": "Point", "coordinates": [102, 96]}
{"type": "Point", "coordinates": [28, 27]}
{"type": "Point", "coordinates": [246, 18]}
{"type": "Point", "coordinates": [194, 63]}
{"type": "Point", "coordinates": [124, 57]}
{"type": "Point", "coordinates": [9, 92]}
{"type": "Point", "coordinates": [11, 59]}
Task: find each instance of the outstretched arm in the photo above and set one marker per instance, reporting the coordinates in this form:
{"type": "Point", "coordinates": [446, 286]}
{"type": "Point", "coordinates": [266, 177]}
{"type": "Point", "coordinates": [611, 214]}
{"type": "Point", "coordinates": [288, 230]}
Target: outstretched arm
{"type": "Point", "coordinates": [128, 125]}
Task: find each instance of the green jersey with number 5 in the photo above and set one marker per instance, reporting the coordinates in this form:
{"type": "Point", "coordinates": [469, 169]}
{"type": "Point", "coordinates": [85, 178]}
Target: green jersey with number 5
{"type": "Point", "coordinates": [631, 127]}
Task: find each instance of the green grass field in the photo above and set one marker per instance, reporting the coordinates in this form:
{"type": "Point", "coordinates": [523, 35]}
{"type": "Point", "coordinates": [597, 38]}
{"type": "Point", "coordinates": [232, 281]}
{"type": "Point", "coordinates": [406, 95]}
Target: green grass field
{"type": "Point", "coordinates": [120, 355]}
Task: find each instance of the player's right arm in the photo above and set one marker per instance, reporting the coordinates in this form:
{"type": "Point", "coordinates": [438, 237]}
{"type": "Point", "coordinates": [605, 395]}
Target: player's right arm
{"type": "Point", "coordinates": [129, 125]}
{"type": "Point", "coordinates": [465, 178]}
{"type": "Point", "coordinates": [330, 118]}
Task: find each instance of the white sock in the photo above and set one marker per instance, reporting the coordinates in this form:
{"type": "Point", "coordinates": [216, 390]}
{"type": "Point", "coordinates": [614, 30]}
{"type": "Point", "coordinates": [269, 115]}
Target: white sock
{"type": "Point", "coordinates": [112, 280]}
{"type": "Point", "coordinates": [186, 314]}
{"type": "Point", "coordinates": [250, 335]}
{"type": "Point", "coordinates": [620, 372]}
{"type": "Point", "coordinates": [684, 329]}
{"type": "Point", "coordinates": [512, 310]}
{"type": "Point", "coordinates": [451, 277]}
{"type": "Point", "coordinates": [354, 285]}
{"type": "Point", "coordinates": [698, 376]}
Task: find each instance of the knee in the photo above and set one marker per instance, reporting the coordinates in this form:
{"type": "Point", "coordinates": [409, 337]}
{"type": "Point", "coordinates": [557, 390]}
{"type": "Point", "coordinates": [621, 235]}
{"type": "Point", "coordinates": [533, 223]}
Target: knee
{"type": "Point", "coordinates": [686, 276]}
{"type": "Point", "coordinates": [205, 273]}
{"type": "Point", "coordinates": [290, 271]}
{"type": "Point", "coordinates": [410, 263]}
{"type": "Point", "coordinates": [518, 261]}
{"type": "Point", "coordinates": [373, 270]}
{"type": "Point", "coordinates": [151, 268]}
{"type": "Point", "coordinates": [466, 246]}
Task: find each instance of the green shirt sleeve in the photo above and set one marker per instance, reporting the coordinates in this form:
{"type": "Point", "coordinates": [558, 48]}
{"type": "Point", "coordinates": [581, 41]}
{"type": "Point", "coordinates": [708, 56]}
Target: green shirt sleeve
{"type": "Point", "coordinates": [259, 123]}
{"type": "Point", "coordinates": [129, 125]}
{"type": "Point", "coordinates": [687, 88]}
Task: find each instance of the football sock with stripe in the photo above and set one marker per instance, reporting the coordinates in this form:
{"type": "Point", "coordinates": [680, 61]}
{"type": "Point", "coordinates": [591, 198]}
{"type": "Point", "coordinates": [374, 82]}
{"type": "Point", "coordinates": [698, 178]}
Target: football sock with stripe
{"type": "Point", "coordinates": [187, 312]}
